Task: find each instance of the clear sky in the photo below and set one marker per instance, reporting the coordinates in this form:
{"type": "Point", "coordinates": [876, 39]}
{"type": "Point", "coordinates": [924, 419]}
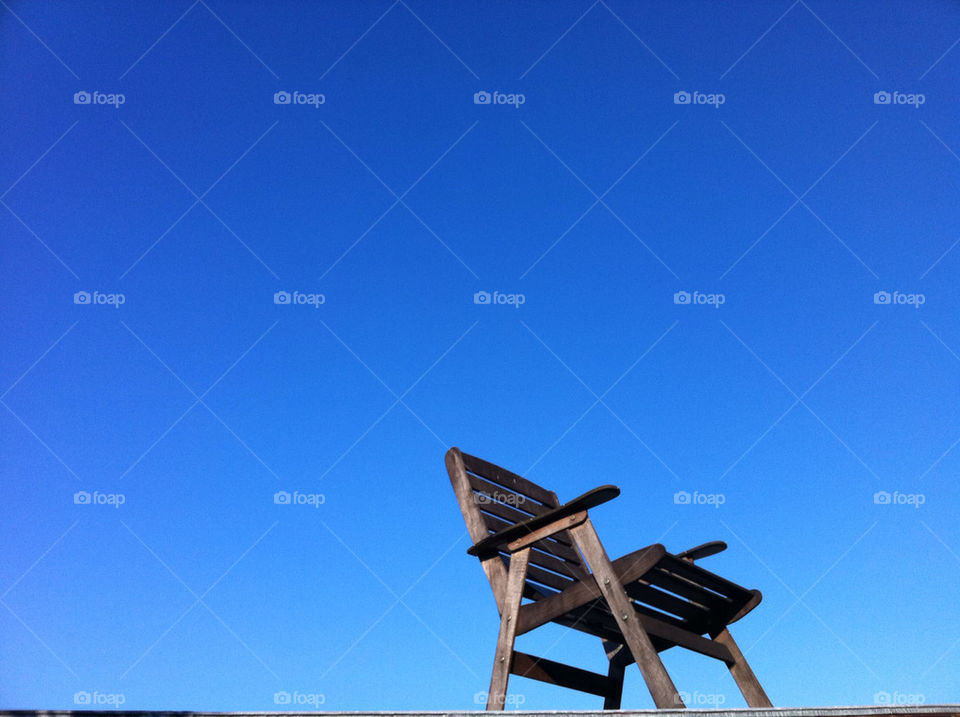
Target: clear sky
{"type": "Point", "coordinates": [718, 243]}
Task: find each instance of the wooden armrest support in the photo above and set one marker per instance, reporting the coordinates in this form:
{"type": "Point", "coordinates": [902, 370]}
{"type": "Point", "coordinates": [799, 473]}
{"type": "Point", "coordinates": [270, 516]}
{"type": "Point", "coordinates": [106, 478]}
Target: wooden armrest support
{"type": "Point", "coordinates": [703, 551]}
{"type": "Point", "coordinates": [589, 499]}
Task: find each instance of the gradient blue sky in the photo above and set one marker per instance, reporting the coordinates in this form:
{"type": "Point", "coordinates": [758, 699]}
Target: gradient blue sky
{"type": "Point", "coordinates": [397, 199]}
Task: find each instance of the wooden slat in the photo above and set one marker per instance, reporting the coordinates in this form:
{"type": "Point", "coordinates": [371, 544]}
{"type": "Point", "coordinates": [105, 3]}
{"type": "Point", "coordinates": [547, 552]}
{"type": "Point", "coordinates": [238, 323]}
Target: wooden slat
{"type": "Point", "coordinates": [628, 568]}
{"type": "Point", "coordinates": [683, 609]}
{"type": "Point", "coordinates": [550, 530]}
{"type": "Point", "coordinates": [526, 507]}
{"type": "Point", "coordinates": [555, 673]}
{"type": "Point", "coordinates": [687, 589]}
{"type": "Point", "coordinates": [709, 580]}
{"type": "Point", "coordinates": [503, 477]}
{"type": "Point", "coordinates": [546, 577]}
{"type": "Point", "coordinates": [548, 545]}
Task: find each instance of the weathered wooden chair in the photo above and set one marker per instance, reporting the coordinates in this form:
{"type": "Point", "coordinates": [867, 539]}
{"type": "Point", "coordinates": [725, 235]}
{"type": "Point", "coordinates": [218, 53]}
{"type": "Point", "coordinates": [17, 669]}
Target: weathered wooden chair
{"type": "Point", "coordinates": [533, 547]}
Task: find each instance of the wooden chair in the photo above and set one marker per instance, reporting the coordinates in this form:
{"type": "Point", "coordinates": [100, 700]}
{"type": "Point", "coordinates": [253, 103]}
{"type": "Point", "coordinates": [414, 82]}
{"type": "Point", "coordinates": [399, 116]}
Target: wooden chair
{"type": "Point", "coordinates": [531, 546]}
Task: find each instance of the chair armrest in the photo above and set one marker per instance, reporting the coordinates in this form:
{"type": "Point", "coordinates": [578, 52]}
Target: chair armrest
{"type": "Point", "coordinates": [588, 500]}
{"type": "Point", "coordinates": [703, 551]}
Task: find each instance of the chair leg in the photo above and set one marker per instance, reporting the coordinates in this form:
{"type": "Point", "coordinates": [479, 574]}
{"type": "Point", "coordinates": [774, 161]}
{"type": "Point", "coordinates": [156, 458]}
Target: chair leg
{"type": "Point", "coordinates": [615, 652]}
{"type": "Point", "coordinates": [497, 694]}
{"type": "Point", "coordinates": [742, 674]}
{"type": "Point", "coordinates": [662, 689]}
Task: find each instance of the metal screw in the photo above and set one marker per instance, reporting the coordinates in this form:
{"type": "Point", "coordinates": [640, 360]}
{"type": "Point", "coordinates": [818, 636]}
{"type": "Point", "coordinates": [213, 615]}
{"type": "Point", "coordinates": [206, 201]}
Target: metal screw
{"type": "Point", "coordinates": [606, 581]}
{"type": "Point", "coordinates": [625, 617]}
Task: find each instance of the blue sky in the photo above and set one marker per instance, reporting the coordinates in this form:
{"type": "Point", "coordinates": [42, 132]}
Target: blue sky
{"type": "Point", "coordinates": [750, 297]}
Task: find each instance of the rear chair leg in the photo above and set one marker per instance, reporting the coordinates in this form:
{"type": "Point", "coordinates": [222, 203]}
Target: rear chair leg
{"type": "Point", "coordinates": [618, 663]}
{"type": "Point", "coordinates": [747, 681]}
{"type": "Point", "coordinates": [497, 694]}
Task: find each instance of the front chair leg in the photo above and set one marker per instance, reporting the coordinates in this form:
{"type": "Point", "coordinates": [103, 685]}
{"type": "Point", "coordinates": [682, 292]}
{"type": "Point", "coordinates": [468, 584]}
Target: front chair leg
{"type": "Point", "coordinates": [513, 594]}
{"type": "Point", "coordinates": [742, 674]}
{"type": "Point", "coordinates": [662, 689]}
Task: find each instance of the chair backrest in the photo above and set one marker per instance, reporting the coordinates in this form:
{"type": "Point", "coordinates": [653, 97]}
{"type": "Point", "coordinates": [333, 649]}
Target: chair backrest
{"type": "Point", "coordinates": [491, 499]}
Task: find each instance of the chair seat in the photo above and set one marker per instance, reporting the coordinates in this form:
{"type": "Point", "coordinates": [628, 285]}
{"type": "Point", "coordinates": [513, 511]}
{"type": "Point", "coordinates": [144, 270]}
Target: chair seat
{"type": "Point", "coordinates": [678, 601]}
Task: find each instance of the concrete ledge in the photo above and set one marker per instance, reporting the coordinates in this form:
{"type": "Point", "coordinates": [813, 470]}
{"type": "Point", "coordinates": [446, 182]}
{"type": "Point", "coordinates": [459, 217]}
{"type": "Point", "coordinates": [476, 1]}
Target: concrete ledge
{"type": "Point", "coordinates": [952, 710]}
